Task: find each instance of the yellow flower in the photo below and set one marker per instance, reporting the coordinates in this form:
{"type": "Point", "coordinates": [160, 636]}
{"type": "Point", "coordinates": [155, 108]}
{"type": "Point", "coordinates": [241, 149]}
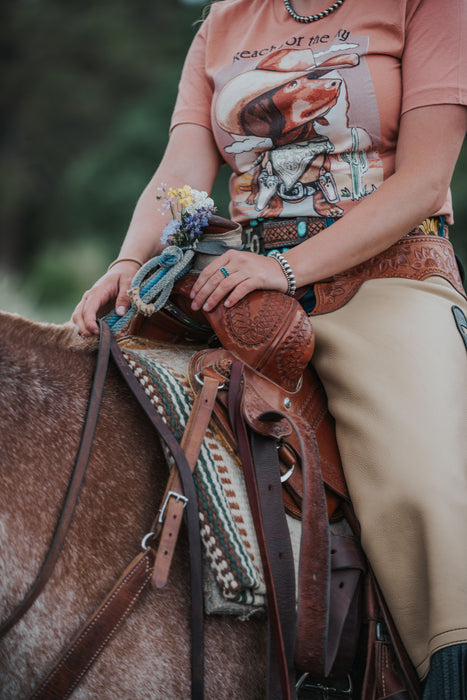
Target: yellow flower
{"type": "Point", "coordinates": [183, 194]}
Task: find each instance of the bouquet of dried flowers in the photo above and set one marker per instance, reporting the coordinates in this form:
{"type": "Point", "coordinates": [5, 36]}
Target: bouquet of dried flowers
{"type": "Point", "coordinates": [191, 211]}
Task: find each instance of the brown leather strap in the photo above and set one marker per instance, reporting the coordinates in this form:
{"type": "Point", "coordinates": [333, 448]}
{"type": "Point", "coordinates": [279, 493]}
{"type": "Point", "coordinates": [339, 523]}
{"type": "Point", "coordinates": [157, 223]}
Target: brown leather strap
{"type": "Point", "coordinates": [95, 634]}
{"type": "Point", "coordinates": [192, 518]}
{"type": "Point", "coordinates": [280, 681]}
{"type": "Point", "coordinates": [348, 567]}
{"type": "Point", "coordinates": [263, 235]}
{"type": "Point", "coordinates": [314, 580]}
{"type": "Point", "coordinates": [266, 465]}
{"type": "Point", "coordinates": [74, 487]}
{"type": "Point", "coordinates": [173, 506]}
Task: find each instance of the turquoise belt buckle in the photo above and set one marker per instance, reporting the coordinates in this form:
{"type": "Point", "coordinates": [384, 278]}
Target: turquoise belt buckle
{"type": "Point", "coordinates": [301, 228]}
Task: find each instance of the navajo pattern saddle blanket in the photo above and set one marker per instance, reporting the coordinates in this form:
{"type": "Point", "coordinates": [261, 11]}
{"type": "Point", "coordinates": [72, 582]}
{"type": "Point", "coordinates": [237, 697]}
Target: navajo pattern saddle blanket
{"type": "Point", "coordinates": [232, 572]}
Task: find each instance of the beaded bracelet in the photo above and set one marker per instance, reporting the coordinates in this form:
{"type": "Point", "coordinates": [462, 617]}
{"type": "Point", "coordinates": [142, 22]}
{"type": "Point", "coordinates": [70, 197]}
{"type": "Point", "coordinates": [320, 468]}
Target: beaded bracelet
{"type": "Point", "coordinates": [119, 260]}
{"type": "Point", "coordinates": [287, 270]}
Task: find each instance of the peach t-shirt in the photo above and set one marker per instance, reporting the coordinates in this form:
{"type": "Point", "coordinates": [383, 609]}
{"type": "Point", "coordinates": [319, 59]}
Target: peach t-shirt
{"type": "Point", "coordinates": [307, 114]}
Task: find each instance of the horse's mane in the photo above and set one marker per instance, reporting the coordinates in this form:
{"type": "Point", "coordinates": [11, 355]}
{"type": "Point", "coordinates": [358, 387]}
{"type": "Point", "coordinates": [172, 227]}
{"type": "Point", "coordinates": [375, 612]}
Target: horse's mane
{"type": "Point", "coordinates": [23, 332]}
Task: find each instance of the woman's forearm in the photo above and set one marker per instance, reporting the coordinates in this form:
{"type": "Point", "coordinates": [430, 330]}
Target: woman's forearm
{"type": "Point", "coordinates": [191, 159]}
{"type": "Point", "coordinates": [416, 190]}
{"type": "Point", "coordinates": [368, 229]}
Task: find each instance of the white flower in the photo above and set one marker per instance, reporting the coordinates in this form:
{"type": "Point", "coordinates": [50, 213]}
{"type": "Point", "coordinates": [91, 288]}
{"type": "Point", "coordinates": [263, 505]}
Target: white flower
{"type": "Point", "coordinates": [201, 200]}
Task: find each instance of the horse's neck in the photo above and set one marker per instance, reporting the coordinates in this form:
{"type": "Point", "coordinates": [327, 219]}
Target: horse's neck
{"type": "Point", "coordinates": [45, 379]}
{"type": "Point", "coordinates": [43, 376]}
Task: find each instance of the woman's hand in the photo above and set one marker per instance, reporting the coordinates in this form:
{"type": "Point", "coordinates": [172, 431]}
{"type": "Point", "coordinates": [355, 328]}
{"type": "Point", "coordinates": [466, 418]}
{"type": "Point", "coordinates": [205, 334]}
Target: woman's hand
{"type": "Point", "coordinates": [191, 158]}
{"type": "Point", "coordinates": [113, 285]}
{"type": "Point", "coordinates": [232, 276]}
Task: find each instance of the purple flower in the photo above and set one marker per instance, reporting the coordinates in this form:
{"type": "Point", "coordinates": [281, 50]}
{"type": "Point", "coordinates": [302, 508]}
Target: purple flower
{"type": "Point", "coordinates": [170, 230]}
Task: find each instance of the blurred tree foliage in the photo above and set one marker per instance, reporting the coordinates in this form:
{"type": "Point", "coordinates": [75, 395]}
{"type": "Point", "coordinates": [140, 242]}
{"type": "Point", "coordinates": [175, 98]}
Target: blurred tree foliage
{"type": "Point", "coordinates": [87, 90]}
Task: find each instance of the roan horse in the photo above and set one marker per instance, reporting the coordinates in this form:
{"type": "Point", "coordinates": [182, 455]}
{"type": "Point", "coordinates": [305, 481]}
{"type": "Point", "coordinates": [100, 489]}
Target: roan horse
{"type": "Point", "coordinates": [45, 378]}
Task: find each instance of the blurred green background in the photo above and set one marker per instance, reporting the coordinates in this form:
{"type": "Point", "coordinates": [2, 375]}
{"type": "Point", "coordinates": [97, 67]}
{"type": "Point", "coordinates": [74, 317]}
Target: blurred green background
{"type": "Point", "coordinates": [86, 93]}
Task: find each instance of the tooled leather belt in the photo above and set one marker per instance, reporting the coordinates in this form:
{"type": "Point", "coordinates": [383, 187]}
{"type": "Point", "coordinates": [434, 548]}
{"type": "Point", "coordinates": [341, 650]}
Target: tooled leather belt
{"type": "Point", "coordinates": [423, 252]}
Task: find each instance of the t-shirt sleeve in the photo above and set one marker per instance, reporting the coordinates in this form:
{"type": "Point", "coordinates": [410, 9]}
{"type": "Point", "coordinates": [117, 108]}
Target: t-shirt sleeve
{"type": "Point", "coordinates": [434, 69]}
{"type": "Point", "coordinates": [193, 104]}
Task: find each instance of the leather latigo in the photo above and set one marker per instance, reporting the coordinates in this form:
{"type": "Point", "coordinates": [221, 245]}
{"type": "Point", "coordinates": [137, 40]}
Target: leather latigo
{"type": "Point", "coordinates": [413, 257]}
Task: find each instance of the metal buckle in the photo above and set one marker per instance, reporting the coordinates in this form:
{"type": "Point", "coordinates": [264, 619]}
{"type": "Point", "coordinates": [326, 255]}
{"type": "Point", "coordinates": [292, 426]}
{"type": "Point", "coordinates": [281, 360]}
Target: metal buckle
{"type": "Point", "coordinates": [178, 497]}
{"type": "Point", "coordinates": [382, 634]}
{"type": "Point", "coordinates": [145, 540]}
{"type": "Point", "coordinates": [328, 692]}
{"type": "Point", "coordinates": [199, 379]}
{"type": "Point", "coordinates": [253, 237]}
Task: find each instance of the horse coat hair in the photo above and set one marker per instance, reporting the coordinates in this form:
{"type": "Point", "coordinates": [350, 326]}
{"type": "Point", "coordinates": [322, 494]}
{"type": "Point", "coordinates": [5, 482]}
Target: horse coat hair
{"type": "Point", "coordinates": [45, 378]}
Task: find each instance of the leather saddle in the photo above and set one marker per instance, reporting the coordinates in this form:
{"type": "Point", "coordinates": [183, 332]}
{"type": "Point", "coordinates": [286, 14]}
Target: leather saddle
{"type": "Point", "coordinates": [281, 399]}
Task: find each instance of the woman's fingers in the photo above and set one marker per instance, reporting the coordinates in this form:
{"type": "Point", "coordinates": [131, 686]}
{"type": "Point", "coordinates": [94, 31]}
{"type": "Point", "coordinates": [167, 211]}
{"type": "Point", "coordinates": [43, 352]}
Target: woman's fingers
{"type": "Point", "coordinates": [96, 298]}
{"type": "Point", "coordinates": [216, 283]}
{"type": "Point", "coordinates": [234, 275]}
{"type": "Point", "coordinates": [85, 315]}
{"type": "Point", "coordinates": [113, 285]}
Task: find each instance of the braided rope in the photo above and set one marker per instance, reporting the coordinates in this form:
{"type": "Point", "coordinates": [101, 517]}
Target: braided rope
{"type": "Point", "coordinates": [152, 285]}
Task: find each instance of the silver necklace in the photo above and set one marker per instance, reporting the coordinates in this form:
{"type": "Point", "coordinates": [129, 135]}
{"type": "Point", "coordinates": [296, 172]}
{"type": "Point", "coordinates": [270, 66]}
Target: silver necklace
{"type": "Point", "coordinates": [311, 18]}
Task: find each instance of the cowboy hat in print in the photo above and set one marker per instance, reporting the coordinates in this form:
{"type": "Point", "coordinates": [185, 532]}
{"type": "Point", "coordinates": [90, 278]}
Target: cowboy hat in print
{"type": "Point", "coordinates": [283, 92]}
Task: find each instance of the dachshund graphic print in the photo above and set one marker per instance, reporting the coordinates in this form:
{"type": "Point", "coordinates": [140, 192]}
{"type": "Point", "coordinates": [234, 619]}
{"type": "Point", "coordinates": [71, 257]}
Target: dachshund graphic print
{"type": "Point", "coordinates": [287, 125]}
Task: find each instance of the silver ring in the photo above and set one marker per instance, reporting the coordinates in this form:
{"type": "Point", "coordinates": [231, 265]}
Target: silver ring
{"type": "Point", "coordinates": [224, 271]}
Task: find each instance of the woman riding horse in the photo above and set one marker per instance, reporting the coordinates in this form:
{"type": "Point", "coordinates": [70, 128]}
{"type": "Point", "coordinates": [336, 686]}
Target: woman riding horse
{"type": "Point", "coordinates": [358, 155]}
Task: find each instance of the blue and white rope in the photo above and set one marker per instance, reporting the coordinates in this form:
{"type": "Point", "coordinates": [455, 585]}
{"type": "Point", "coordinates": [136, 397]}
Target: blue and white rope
{"type": "Point", "coordinates": [152, 285]}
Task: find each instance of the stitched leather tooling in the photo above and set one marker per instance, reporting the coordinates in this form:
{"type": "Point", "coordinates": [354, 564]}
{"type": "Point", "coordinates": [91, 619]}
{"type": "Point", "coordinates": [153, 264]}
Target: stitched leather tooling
{"type": "Point", "coordinates": [416, 257]}
{"type": "Point", "coordinates": [271, 333]}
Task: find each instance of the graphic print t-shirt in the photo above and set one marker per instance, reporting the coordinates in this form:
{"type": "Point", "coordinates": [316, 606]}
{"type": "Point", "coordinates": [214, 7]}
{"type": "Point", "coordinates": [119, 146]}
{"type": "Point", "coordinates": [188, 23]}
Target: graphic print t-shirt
{"type": "Point", "coordinates": [307, 114]}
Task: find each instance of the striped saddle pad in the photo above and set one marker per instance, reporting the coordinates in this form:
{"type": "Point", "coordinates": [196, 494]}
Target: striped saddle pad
{"type": "Point", "coordinates": [233, 576]}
